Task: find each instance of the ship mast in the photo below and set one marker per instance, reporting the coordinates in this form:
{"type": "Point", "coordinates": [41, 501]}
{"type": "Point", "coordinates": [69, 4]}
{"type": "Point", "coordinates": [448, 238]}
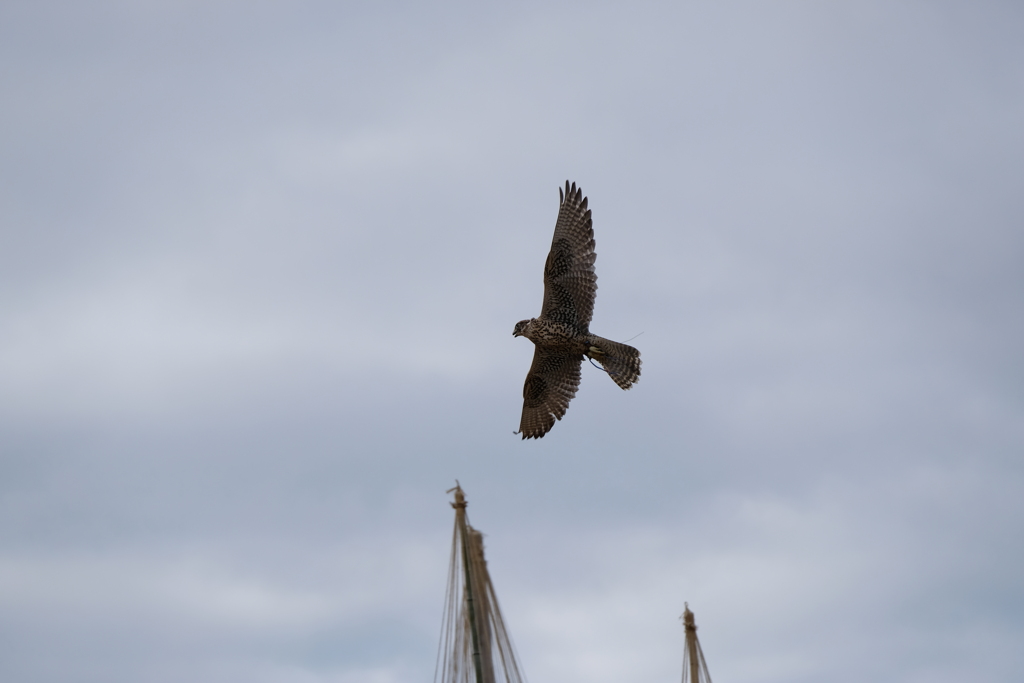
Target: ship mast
{"type": "Point", "coordinates": [695, 669]}
{"type": "Point", "coordinates": [475, 646]}
{"type": "Point", "coordinates": [475, 620]}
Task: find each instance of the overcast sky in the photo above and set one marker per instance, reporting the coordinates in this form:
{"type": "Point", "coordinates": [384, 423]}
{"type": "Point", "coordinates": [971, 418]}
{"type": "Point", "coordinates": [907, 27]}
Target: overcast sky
{"type": "Point", "coordinates": [259, 269]}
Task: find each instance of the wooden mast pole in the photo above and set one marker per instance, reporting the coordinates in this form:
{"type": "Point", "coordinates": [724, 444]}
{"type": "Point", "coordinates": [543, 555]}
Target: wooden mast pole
{"type": "Point", "coordinates": [691, 644]}
{"type": "Point", "coordinates": [460, 515]}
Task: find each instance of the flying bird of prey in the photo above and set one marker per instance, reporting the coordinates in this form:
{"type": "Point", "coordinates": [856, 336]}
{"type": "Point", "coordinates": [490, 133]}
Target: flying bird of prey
{"type": "Point", "coordinates": [561, 334]}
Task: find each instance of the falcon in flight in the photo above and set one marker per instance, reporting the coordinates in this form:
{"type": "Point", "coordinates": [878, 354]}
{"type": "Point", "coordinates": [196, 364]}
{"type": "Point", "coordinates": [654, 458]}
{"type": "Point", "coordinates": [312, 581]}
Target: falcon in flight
{"type": "Point", "coordinates": [561, 334]}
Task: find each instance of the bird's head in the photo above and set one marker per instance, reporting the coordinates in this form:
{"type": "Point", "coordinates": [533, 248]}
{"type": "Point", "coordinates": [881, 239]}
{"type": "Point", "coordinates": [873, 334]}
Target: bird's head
{"type": "Point", "coordinates": [520, 328]}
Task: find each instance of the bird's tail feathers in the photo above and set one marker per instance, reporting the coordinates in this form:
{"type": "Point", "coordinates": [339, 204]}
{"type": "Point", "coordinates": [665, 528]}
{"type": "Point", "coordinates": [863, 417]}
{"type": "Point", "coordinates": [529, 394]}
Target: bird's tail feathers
{"type": "Point", "coordinates": [620, 361]}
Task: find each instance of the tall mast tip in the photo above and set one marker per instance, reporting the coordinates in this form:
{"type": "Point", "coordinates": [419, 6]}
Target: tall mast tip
{"type": "Point", "coordinates": [460, 497]}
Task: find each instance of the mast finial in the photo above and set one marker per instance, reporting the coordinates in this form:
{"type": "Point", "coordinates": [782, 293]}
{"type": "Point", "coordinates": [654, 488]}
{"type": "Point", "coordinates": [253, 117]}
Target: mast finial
{"type": "Point", "coordinates": [460, 497]}
{"type": "Point", "coordinates": [687, 617]}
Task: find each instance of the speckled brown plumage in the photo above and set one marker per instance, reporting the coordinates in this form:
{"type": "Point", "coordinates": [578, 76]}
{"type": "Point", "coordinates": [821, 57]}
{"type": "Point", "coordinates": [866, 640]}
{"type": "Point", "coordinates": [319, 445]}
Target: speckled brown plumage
{"type": "Point", "coordinates": [561, 334]}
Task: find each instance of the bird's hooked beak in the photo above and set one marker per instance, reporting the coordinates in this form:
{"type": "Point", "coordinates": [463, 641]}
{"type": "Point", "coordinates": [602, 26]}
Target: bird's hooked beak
{"type": "Point", "coordinates": [515, 333]}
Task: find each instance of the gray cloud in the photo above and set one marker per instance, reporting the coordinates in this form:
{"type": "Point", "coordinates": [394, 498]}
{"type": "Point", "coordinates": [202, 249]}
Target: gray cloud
{"type": "Point", "coordinates": [259, 267]}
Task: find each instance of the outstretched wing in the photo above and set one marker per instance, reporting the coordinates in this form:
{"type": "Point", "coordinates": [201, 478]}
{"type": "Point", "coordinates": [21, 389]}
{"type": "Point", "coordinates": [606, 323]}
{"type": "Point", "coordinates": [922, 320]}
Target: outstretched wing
{"type": "Point", "coordinates": [570, 282]}
{"type": "Point", "coordinates": [550, 385]}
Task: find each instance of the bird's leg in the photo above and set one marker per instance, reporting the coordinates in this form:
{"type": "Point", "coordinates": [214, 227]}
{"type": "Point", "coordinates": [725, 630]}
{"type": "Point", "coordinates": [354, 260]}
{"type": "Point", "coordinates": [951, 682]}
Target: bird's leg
{"type": "Point", "coordinates": [594, 352]}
